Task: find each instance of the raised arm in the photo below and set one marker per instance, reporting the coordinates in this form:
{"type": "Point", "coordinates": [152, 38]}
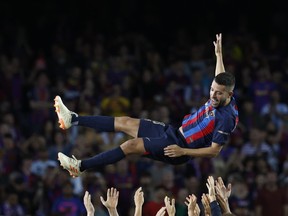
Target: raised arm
{"type": "Point", "coordinates": [139, 201]}
{"type": "Point", "coordinates": [218, 52]}
{"type": "Point", "coordinates": [222, 195]}
{"type": "Point", "coordinates": [88, 204]}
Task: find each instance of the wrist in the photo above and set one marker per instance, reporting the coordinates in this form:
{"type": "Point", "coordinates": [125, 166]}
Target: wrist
{"type": "Point", "coordinates": [212, 198]}
{"type": "Point", "coordinates": [183, 152]}
{"type": "Point", "coordinates": [138, 206]}
{"type": "Point", "coordinates": [113, 212]}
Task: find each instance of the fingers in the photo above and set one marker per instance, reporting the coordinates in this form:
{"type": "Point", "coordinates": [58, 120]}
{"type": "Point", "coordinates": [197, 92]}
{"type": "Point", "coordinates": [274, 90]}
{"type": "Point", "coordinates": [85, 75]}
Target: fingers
{"type": "Point", "coordinates": [139, 196]}
{"type": "Point", "coordinates": [161, 212]}
{"type": "Point", "coordinates": [102, 200]}
{"type": "Point", "coordinates": [172, 151]}
{"type": "Point", "coordinates": [112, 192]}
{"type": "Point", "coordinates": [188, 200]}
{"type": "Point", "coordinates": [219, 36]}
{"type": "Point", "coordinates": [210, 185]}
{"type": "Point", "coordinates": [86, 197]}
{"type": "Point", "coordinates": [139, 190]}
{"type": "Point", "coordinates": [229, 187]}
{"type": "Point", "coordinates": [169, 202]}
{"type": "Point", "coordinates": [205, 199]}
{"type": "Point", "coordinates": [220, 180]}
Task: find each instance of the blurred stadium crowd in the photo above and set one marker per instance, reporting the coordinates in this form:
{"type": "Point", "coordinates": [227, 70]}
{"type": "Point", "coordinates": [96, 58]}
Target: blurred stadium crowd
{"type": "Point", "coordinates": [128, 73]}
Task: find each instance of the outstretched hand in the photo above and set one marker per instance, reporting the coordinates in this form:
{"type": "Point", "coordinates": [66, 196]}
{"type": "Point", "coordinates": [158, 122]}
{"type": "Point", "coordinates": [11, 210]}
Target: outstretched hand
{"type": "Point", "coordinates": [222, 190]}
{"type": "Point", "coordinates": [173, 151]}
{"type": "Point", "coordinates": [139, 197]}
{"type": "Point", "coordinates": [112, 198]}
{"type": "Point", "coordinates": [193, 207]}
{"type": "Point", "coordinates": [211, 188]}
{"type": "Point", "coordinates": [170, 206]}
{"type": "Point", "coordinates": [88, 204]}
{"type": "Point", "coordinates": [222, 195]}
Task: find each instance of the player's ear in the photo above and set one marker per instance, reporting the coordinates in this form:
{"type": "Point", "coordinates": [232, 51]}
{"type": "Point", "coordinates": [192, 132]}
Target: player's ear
{"type": "Point", "coordinates": [231, 93]}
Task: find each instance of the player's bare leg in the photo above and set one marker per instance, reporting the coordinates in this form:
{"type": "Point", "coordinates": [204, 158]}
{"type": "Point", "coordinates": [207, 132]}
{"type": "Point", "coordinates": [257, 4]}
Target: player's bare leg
{"type": "Point", "coordinates": [127, 125]}
{"type": "Point", "coordinates": [67, 118]}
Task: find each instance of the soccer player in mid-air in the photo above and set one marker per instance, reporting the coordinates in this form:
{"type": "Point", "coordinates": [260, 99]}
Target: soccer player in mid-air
{"type": "Point", "coordinates": [202, 134]}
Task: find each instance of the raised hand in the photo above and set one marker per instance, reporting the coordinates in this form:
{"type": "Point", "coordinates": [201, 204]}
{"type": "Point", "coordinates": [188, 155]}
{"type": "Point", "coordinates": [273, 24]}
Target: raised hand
{"type": "Point", "coordinates": [218, 44]}
{"type": "Point", "coordinates": [211, 188]}
{"type": "Point", "coordinates": [170, 206]}
{"type": "Point", "coordinates": [112, 201]}
{"type": "Point", "coordinates": [139, 197]}
{"type": "Point", "coordinates": [138, 200]}
{"type": "Point", "coordinates": [222, 190]}
{"type": "Point", "coordinates": [193, 207]}
{"type": "Point", "coordinates": [222, 195]}
{"type": "Point", "coordinates": [206, 203]}
{"type": "Point", "coordinates": [88, 204]}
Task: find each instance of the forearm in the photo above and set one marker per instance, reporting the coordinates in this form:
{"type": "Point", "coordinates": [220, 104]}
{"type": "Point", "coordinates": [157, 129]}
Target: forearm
{"type": "Point", "coordinates": [138, 211]}
{"type": "Point", "coordinates": [201, 152]}
{"type": "Point", "coordinates": [219, 65]}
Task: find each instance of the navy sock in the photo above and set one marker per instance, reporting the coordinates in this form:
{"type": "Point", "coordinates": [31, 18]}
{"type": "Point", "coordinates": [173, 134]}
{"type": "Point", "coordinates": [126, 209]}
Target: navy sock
{"type": "Point", "coordinates": [99, 123]}
{"type": "Point", "coordinates": [102, 159]}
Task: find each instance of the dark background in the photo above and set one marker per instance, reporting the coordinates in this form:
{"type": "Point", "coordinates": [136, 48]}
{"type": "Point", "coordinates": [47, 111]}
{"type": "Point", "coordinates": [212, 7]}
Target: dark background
{"type": "Point", "coordinates": [158, 20]}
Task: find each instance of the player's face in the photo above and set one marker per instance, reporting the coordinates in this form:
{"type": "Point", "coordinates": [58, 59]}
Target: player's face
{"type": "Point", "coordinates": [219, 95]}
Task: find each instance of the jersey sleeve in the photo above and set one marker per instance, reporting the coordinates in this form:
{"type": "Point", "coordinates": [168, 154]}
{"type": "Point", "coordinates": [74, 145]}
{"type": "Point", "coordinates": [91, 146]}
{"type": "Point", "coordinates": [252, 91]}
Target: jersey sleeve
{"type": "Point", "coordinates": [223, 129]}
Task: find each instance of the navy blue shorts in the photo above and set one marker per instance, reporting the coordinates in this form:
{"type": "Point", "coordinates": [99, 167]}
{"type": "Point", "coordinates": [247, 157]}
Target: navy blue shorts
{"type": "Point", "coordinates": [157, 136]}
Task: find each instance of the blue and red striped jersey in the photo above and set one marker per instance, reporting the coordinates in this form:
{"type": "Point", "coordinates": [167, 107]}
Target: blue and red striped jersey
{"type": "Point", "coordinates": [209, 124]}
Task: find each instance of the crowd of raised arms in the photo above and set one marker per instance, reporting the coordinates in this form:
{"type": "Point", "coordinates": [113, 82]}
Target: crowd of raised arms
{"type": "Point", "coordinates": [213, 203]}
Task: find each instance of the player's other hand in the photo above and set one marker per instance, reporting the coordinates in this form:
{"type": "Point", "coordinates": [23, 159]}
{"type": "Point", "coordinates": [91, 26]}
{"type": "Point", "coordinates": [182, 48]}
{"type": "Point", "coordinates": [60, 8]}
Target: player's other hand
{"type": "Point", "coordinates": [173, 151]}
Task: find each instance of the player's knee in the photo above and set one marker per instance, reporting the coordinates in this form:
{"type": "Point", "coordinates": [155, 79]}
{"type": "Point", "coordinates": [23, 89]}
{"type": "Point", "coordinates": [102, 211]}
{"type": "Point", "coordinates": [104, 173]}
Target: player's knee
{"type": "Point", "coordinates": [133, 146]}
{"type": "Point", "coordinates": [124, 120]}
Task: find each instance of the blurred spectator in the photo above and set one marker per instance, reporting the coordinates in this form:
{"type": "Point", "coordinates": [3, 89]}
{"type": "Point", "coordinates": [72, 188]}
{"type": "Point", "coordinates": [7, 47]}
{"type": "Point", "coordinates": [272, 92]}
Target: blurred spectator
{"type": "Point", "coordinates": [115, 104]}
{"type": "Point", "coordinates": [68, 203]}
{"type": "Point", "coordinates": [271, 199]}
{"type": "Point", "coordinates": [11, 156]}
{"type": "Point", "coordinates": [256, 145]}
{"type": "Point", "coordinates": [261, 87]}
{"type": "Point", "coordinates": [151, 207]}
{"type": "Point", "coordinates": [275, 109]}
{"type": "Point", "coordinates": [40, 101]}
{"type": "Point", "coordinates": [125, 183]}
{"type": "Point", "coordinates": [11, 206]}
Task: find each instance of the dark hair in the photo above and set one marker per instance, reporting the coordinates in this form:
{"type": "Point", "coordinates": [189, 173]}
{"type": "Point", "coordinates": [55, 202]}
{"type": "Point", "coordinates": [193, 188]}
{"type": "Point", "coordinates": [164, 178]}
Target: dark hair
{"type": "Point", "coordinates": [226, 79]}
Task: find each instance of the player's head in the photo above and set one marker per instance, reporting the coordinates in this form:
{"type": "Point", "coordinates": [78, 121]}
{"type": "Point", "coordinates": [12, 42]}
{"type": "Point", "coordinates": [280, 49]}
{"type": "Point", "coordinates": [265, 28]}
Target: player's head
{"type": "Point", "coordinates": [221, 89]}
